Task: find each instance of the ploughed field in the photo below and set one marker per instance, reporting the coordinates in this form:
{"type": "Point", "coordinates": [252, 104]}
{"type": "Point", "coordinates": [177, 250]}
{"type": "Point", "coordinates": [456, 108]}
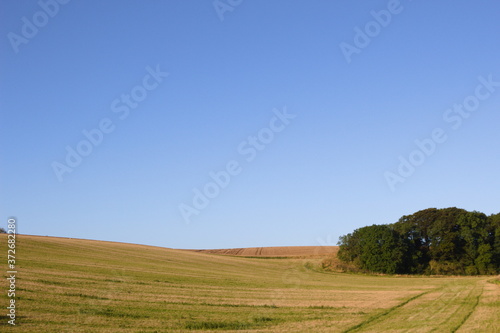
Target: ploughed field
{"type": "Point", "coordinates": [277, 251]}
{"type": "Point", "coordinates": [73, 285]}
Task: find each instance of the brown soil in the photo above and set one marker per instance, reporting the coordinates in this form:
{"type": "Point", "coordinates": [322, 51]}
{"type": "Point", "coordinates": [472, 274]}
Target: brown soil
{"type": "Point", "coordinates": [278, 251]}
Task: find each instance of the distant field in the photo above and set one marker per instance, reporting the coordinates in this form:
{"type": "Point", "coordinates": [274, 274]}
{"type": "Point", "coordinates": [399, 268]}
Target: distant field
{"type": "Point", "coordinates": [72, 285]}
{"type": "Point", "coordinates": [277, 251]}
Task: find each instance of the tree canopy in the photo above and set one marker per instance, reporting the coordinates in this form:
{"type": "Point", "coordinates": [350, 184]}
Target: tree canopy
{"type": "Point", "coordinates": [430, 241]}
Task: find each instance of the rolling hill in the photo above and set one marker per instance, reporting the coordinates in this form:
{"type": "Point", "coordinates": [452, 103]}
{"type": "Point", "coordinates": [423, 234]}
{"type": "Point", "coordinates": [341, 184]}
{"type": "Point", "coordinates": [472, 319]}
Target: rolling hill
{"type": "Point", "coordinates": [277, 251]}
{"type": "Point", "coordinates": [75, 285]}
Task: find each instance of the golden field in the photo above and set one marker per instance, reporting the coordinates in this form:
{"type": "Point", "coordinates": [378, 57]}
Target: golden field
{"type": "Point", "coordinates": [74, 285]}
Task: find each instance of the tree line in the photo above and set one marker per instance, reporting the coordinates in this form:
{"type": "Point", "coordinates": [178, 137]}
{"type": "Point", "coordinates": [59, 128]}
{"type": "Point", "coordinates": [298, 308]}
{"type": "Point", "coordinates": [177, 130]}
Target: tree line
{"type": "Point", "coordinates": [448, 241]}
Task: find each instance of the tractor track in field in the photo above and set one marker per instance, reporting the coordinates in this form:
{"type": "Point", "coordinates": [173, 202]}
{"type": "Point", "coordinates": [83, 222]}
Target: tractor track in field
{"type": "Point", "coordinates": [451, 316]}
{"type": "Point", "coordinates": [470, 312]}
{"type": "Point", "coordinates": [383, 314]}
{"type": "Point", "coordinates": [445, 309]}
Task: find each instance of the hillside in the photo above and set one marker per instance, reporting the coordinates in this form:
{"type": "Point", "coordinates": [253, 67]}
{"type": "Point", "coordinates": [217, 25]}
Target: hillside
{"type": "Point", "coordinates": [74, 285]}
{"type": "Point", "coordinates": [277, 251]}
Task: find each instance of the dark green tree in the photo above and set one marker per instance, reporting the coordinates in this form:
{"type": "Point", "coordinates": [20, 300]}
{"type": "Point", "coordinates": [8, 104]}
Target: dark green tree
{"type": "Point", "coordinates": [430, 241]}
{"type": "Point", "coordinates": [376, 248]}
{"type": "Point", "coordinates": [494, 222]}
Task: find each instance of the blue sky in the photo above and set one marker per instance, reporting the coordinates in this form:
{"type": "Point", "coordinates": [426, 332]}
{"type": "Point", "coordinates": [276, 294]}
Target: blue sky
{"type": "Point", "coordinates": [349, 119]}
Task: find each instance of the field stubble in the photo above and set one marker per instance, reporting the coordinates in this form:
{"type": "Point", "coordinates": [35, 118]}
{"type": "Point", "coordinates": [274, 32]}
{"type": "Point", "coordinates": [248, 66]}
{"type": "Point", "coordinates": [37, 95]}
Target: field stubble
{"type": "Point", "coordinates": [72, 285]}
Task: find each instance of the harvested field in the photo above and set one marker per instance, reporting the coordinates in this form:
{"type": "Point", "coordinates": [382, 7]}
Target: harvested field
{"type": "Point", "coordinates": [277, 251]}
{"type": "Point", "coordinates": [75, 285]}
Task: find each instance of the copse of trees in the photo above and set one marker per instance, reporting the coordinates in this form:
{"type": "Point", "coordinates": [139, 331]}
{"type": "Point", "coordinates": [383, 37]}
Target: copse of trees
{"type": "Point", "coordinates": [377, 248]}
{"type": "Point", "coordinates": [431, 241]}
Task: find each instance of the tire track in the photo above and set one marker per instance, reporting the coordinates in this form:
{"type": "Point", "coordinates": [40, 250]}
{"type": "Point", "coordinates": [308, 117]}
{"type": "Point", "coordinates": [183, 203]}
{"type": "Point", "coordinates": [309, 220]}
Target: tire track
{"type": "Point", "coordinates": [444, 303]}
{"type": "Point", "coordinates": [470, 312]}
{"type": "Point", "coordinates": [385, 313]}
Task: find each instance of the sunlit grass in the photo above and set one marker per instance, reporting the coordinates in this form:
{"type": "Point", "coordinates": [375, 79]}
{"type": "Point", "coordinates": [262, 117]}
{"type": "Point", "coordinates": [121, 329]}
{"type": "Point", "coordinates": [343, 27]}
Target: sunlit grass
{"type": "Point", "coordinates": [70, 285]}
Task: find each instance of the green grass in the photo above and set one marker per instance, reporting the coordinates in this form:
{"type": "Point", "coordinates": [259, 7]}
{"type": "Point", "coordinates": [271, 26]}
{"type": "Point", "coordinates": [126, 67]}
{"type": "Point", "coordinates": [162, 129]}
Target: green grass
{"type": "Point", "coordinates": [70, 285]}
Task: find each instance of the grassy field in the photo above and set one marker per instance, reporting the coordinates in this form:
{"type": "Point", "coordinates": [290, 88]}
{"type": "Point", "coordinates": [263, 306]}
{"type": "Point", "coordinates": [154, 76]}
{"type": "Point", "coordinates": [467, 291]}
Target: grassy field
{"type": "Point", "coordinates": [71, 285]}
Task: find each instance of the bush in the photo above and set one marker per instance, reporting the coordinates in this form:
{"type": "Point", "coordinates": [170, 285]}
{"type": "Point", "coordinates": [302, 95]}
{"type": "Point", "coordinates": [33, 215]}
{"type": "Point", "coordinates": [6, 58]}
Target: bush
{"type": "Point", "coordinates": [334, 264]}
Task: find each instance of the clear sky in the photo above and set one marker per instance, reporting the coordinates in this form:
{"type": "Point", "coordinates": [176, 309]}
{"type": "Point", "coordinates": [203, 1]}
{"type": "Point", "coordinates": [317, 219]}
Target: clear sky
{"type": "Point", "coordinates": [314, 117]}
